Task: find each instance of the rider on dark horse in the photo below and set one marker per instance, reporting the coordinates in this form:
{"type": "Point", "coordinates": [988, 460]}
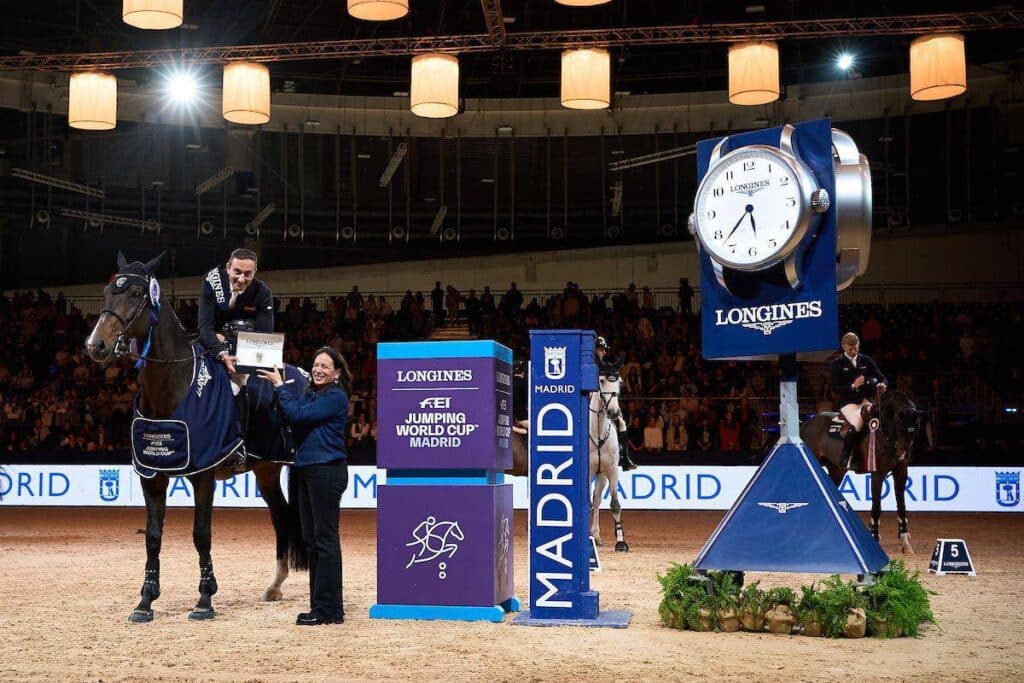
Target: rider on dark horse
{"type": "Point", "coordinates": [854, 379]}
{"type": "Point", "coordinates": [231, 293]}
{"type": "Point", "coordinates": [601, 350]}
{"type": "Point", "coordinates": [232, 299]}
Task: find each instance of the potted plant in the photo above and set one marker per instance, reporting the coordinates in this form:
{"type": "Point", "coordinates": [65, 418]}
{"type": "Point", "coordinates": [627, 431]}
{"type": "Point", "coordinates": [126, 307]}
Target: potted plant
{"type": "Point", "coordinates": [779, 615]}
{"type": "Point", "coordinates": [680, 593]}
{"type": "Point", "coordinates": [808, 612]}
{"type": "Point", "coordinates": [726, 592]}
{"type": "Point", "coordinates": [752, 608]}
{"type": "Point", "coordinates": [840, 608]}
{"type": "Point", "coordinates": [897, 603]}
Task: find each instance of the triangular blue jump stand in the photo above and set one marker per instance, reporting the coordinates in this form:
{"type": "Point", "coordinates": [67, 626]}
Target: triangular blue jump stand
{"type": "Point", "coordinates": [792, 518]}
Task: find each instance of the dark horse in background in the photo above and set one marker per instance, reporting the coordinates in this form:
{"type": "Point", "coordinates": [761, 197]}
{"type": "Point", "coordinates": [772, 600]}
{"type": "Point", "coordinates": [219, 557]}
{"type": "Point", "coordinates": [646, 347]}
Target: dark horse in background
{"type": "Point", "coordinates": [164, 380]}
{"type": "Point", "coordinates": [899, 425]}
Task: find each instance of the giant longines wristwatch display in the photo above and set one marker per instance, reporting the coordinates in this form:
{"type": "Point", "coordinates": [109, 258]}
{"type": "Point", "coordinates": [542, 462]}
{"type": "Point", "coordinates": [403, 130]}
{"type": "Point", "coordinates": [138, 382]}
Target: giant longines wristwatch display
{"type": "Point", "coordinates": [758, 207]}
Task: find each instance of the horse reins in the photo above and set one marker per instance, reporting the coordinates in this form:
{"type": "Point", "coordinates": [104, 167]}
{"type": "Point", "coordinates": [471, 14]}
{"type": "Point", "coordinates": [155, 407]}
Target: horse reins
{"type": "Point", "coordinates": [606, 399]}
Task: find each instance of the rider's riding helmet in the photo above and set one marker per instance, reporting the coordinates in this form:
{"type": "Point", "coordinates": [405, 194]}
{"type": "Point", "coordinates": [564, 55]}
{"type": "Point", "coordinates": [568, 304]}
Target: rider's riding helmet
{"type": "Point", "coordinates": [601, 343]}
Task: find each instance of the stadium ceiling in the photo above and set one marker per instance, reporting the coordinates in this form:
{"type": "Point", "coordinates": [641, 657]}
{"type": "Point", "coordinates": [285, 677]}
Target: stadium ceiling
{"type": "Point", "coordinates": [506, 48]}
{"type": "Point", "coordinates": [497, 38]}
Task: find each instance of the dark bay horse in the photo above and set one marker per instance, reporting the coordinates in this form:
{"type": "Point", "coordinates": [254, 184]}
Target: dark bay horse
{"type": "Point", "coordinates": [133, 309]}
{"type": "Point", "coordinates": [899, 424]}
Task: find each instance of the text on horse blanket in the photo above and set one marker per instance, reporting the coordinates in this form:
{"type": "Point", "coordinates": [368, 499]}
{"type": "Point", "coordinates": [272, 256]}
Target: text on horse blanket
{"type": "Point", "coordinates": [202, 432]}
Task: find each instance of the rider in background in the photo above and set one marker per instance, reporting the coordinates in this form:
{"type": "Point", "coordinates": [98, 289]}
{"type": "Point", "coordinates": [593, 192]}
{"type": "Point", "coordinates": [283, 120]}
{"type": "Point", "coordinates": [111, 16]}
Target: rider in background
{"type": "Point", "coordinates": [601, 349]}
{"type": "Point", "coordinates": [233, 293]}
{"type": "Point", "coordinates": [854, 378]}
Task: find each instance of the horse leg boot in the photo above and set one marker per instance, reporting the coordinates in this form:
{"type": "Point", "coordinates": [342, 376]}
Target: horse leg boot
{"type": "Point", "coordinates": [620, 537]}
{"type": "Point", "coordinates": [625, 462]}
{"type": "Point", "coordinates": [203, 484]}
{"type": "Point", "coordinates": [155, 491]}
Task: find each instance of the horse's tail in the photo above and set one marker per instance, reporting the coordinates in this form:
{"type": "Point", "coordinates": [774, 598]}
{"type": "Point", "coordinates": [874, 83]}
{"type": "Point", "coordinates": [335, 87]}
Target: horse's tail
{"type": "Point", "coordinates": [297, 558]}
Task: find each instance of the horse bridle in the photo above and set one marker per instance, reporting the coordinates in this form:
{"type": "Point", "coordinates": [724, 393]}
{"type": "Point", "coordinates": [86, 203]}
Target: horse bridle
{"type": "Point", "coordinates": [902, 454]}
{"type": "Point", "coordinates": [121, 347]}
{"type": "Point", "coordinates": [606, 400]}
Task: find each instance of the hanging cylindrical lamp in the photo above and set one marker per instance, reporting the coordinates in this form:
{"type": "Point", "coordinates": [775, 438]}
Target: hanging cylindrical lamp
{"type": "Point", "coordinates": [378, 10]}
{"type": "Point", "coordinates": [92, 101]}
{"type": "Point", "coordinates": [582, 3]}
{"type": "Point", "coordinates": [586, 78]}
{"type": "Point", "coordinates": [938, 67]}
{"type": "Point", "coordinates": [153, 14]}
{"type": "Point", "coordinates": [754, 73]}
{"type": "Point", "coordinates": [434, 86]}
{"type": "Point", "coordinates": [246, 93]}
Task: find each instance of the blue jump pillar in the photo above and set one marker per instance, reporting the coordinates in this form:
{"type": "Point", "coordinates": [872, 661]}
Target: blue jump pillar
{"type": "Point", "coordinates": [444, 518]}
{"type": "Point", "coordinates": [562, 374]}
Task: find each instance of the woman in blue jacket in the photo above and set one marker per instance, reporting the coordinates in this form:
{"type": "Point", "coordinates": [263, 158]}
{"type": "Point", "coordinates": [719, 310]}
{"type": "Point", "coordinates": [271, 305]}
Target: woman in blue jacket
{"type": "Point", "coordinates": [318, 420]}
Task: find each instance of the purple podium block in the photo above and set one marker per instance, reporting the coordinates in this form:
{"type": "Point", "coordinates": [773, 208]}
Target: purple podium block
{"type": "Point", "coordinates": [444, 545]}
{"type": "Point", "coordinates": [444, 519]}
{"type": "Point", "coordinates": [444, 413]}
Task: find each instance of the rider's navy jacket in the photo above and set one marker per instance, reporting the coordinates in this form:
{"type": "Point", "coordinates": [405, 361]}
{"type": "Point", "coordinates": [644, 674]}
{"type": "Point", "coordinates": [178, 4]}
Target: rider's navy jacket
{"type": "Point", "coordinates": [318, 420]}
{"type": "Point", "coordinates": [256, 303]}
{"type": "Point", "coordinates": [844, 371]}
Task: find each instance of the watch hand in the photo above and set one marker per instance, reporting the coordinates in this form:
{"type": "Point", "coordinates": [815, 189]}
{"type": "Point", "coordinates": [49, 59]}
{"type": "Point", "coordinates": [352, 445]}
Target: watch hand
{"type": "Point", "coordinates": [736, 227]}
{"type": "Point", "coordinates": [753, 225]}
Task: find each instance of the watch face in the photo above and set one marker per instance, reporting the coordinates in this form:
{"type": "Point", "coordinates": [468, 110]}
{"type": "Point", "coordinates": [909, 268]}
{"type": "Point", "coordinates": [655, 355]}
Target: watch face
{"type": "Point", "coordinates": [750, 208]}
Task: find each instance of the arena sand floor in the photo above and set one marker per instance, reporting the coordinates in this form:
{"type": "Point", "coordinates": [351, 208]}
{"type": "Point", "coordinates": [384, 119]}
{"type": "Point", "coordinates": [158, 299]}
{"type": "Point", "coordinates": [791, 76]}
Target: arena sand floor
{"type": "Point", "coordinates": [70, 577]}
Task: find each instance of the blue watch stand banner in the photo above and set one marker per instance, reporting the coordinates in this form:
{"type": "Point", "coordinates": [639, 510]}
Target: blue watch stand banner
{"type": "Point", "coordinates": [767, 316]}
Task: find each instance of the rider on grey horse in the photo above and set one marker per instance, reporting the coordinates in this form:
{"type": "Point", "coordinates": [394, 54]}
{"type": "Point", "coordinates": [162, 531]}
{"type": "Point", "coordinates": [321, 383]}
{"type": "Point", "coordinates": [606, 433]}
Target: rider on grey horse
{"type": "Point", "coordinates": [854, 378]}
{"type": "Point", "coordinates": [601, 349]}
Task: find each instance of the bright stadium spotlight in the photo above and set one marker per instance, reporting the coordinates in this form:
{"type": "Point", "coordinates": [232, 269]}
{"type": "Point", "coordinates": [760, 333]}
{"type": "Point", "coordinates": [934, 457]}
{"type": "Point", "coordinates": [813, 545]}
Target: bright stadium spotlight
{"type": "Point", "coordinates": [844, 61]}
{"type": "Point", "coordinates": [182, 87]}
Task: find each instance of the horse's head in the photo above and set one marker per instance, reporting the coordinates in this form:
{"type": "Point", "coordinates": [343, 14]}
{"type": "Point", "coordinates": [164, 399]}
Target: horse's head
{"type": "Point", "coordinates": [904, 422]}
{"type": "Point", "coordinates": [610, 388]}
{"type": "Point", "coordinates": [129, 295]}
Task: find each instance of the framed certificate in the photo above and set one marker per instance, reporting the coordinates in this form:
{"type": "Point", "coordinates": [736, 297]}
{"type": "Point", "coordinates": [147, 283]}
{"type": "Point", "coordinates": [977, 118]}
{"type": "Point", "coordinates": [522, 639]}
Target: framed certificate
{"type": "Point", "coordinates": [258, 350]}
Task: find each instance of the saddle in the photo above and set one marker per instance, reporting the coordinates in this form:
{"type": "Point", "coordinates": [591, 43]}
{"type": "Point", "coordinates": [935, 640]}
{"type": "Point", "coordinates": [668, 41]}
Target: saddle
{"type": "Point", "coordinates": [840, 426]}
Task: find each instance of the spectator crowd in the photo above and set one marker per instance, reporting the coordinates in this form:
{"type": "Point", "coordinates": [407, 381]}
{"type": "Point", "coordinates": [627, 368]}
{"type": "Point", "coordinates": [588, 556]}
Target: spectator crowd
{"type": "Point", "coordinates": [54, 398]}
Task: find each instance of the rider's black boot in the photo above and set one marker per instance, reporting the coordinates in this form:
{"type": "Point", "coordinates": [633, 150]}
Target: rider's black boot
{"type": "Point", "coordinates": [849, 447]}
{"type": "Point", "coordinates": [242, 406]}
{"type": "Point", "coordinates": [625, 462]}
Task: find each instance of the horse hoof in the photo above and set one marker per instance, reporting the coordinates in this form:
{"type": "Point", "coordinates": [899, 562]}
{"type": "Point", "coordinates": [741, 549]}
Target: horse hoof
{"type": "Point", "coordinates": [622, 547]}
{"type": "Point", "coordinates": [140, 616]}
{"type": "Point", "coordinates": [272, 595]}
{"type": "Point", "coordinates": [598, 542]}
{"type": "Point", "coordinates": [201, 614]}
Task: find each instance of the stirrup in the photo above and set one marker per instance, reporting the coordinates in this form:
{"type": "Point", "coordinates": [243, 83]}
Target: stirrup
{"type": "Point", "coordinates": [241, 462]}
{"type": "Point", "coordinates": [626, 463]}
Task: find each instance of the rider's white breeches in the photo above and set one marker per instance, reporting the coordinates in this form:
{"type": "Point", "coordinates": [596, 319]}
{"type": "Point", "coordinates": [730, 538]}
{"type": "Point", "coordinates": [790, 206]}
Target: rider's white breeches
{"type": "Point", "coordinates": [851, 411]}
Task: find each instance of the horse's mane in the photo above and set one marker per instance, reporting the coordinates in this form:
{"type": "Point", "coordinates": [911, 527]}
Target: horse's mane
{"type": "Point", "coordinates": [896, 394]}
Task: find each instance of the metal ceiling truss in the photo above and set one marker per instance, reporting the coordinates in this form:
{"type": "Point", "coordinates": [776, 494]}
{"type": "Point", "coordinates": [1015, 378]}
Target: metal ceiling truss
{"type": "Point", "coordinates": [691, 34]}
{"type": "Point", "coordinates": [495, 21]}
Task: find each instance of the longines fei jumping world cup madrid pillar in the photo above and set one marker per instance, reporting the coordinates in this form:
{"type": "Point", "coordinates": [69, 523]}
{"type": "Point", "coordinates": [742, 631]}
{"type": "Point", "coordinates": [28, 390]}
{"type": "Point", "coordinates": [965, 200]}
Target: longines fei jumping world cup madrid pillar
{"type": "Point", "coordinates": [562, 374]}
{"type": "Point", "coordinates": [444, 518]}
{"type": "Point", "coordinates": [782, 218]}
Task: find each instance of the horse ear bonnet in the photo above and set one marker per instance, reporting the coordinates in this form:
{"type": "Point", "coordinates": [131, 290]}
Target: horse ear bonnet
{"type": "Point", "coordinates": [152, 265]}
{"type": "Point", "coordinates": [129, 274]}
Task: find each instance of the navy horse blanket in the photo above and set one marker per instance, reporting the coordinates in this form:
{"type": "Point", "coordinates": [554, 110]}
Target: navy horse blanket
{"type": "Point", "coordinates": [204, 431]}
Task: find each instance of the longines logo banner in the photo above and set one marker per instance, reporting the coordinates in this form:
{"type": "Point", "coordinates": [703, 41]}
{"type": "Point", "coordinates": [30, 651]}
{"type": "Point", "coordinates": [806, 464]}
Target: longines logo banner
{"type": "Point", "coordinates": [767, 319]}
{"type": "Point", "coordinates": [760, 314]}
